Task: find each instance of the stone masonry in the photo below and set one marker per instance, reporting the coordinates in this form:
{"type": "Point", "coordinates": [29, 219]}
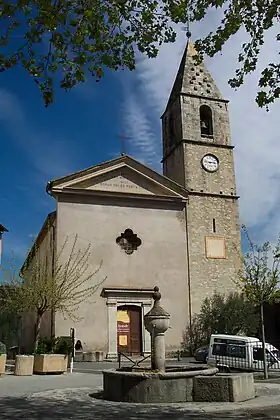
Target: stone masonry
{"type": "Point", "coordinates": [212, 209]}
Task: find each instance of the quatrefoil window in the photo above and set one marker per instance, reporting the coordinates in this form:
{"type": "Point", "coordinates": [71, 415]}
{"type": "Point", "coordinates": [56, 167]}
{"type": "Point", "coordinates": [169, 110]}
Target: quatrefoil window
{"type": "Point", "coordinates": [128, 241]}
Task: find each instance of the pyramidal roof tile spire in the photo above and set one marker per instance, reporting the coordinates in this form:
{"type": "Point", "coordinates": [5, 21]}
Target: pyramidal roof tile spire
{"type": "Point", "coordinates": [193, 78]}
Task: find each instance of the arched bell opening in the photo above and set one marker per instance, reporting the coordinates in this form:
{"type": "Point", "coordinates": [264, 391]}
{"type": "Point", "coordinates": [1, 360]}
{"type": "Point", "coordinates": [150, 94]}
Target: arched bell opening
{"type": "Point", "coordinates": [206, 121]}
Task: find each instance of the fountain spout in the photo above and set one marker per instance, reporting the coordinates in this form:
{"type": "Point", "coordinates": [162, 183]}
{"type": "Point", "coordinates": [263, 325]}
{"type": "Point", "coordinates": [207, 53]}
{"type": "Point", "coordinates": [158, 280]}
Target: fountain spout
{"type": "Point", "coordinates": [156, 322]}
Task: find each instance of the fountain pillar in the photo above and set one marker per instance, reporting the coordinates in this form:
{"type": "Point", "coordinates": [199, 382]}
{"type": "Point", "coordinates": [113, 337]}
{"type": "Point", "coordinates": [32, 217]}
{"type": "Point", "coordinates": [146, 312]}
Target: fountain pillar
{"type": "Point", "coordinates": [159, 358]}
{"type": "Point", "coordinates": [156, 322]}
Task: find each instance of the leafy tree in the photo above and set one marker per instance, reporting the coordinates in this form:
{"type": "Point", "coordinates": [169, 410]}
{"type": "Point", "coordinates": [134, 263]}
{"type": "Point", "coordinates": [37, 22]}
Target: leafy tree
{"type": "Point", "coordinates": [9, 328]}
{"type": "Point", "coordinates": [74, 38]}
{"type": "Point", "coordinates": [255, 18]}
{"type": "Point", "coordinates": [259, 279]}
{"type": "Point", "coordinates": [9, 321]}
{"type": "Point", "coordinates": [44, 287]}
{"type": "Point", "coordinates": [224, 314]}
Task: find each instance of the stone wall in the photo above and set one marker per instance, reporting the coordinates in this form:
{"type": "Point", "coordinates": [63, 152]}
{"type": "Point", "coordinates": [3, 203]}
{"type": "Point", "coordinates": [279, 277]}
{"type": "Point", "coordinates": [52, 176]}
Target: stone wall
{"type": "Point", "coordinates": [198, 179]}
{"type": "Point", "coordinates": [44, 253]}
{"type": "Point", "coordinates": [160, 260]}
{"type": "Point", "coordinates": [173, 166]}
{"type": "Point", "coordinates": [210, 275]}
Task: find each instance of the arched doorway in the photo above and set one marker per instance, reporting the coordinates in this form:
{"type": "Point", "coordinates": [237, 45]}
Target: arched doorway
{"type": "Point", "coordinates": [129, 329]}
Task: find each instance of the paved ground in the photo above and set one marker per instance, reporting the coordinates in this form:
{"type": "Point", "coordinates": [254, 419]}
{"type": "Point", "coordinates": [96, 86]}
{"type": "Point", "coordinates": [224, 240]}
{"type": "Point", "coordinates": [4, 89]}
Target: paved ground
{"type": "Point", "coordinates": [79, 405]}
{"type": "Point", "coordinates": [78, 396]}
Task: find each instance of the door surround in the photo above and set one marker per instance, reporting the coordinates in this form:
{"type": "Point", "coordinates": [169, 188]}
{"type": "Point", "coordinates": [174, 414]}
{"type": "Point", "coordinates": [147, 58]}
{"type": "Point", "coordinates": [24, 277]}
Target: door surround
{"type": "Point", "coordinates": [118, 296]}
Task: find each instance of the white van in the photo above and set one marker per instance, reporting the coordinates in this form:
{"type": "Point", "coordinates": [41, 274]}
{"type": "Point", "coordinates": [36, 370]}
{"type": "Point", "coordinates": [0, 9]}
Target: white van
{"type": "Point", "coordinates": [241, 353]}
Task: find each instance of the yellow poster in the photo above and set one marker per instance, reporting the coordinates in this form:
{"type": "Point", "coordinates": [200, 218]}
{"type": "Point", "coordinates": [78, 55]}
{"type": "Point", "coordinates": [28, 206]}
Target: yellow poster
{"type": "Point", "coordinates": [123, 340]}
{"type": "Point", "coordinates": [122, 316]}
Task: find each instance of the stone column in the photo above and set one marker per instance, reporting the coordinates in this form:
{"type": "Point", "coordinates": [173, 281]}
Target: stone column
{"type": "Point", "coordinates": [112, 330]}
{"type": "Point", "coordinates": [159, 352]}
{"type": "Point", "coordinates": [157, 323]}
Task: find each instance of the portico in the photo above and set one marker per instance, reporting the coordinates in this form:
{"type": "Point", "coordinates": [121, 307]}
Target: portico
{"type": "Point", "coordinates": [126, 330]}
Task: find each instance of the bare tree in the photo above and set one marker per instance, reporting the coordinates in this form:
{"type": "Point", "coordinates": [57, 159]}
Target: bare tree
{"type": "Point", "coordinates": [44, 285]}
{"type": "Point", "coordinates": [259, 278]}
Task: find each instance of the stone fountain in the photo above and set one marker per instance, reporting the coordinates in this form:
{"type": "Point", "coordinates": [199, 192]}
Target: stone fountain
{"type": "Point", "coordinates": [172, 384]}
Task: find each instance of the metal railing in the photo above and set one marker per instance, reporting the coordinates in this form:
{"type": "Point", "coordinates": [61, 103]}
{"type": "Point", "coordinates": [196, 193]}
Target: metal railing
{"type": "Point", "coordinates": [135, 363]}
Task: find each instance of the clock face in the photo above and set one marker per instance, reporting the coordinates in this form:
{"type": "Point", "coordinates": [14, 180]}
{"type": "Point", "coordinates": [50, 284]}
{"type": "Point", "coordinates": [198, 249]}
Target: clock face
{"type": "Point", "coordinates": [210, 163]}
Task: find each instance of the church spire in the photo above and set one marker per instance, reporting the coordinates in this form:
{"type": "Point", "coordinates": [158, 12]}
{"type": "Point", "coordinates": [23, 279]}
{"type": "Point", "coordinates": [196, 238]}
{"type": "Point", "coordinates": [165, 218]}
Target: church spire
{"type": "Point", "coordinates": [192, 78]}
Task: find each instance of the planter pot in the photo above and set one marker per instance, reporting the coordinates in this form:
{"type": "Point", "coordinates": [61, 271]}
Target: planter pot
{"type": "Point", "coordinates": [99, 357]}
{"type": "Point", "coordinates": [24, 365]}
{"type": "Point", "coordinates": [79, 356]}
{"type": "Point", "coordinates": [3, 358]}
{"type": "Point", "coordinates": [89, 356]}
{"type": "Point", "coordinates": [50, 363]}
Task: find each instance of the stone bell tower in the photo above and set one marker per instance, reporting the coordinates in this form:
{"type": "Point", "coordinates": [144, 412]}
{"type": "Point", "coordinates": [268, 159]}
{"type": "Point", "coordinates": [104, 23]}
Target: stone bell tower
{"type": "Point", "coordinates": [197, 153]}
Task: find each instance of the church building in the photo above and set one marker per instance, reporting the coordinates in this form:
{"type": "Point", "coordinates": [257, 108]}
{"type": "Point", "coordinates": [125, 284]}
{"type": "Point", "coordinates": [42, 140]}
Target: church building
{"type": "Point", "coordinates": [179, 231]}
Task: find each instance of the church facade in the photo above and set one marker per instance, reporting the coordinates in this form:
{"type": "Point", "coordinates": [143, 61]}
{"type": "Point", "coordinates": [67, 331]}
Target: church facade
{"type": "Point", "coordinates": [179, 231]}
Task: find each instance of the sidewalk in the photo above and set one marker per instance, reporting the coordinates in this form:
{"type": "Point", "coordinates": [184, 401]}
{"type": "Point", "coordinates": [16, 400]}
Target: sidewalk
{"type": "Point", "coordinates": [14, 386]}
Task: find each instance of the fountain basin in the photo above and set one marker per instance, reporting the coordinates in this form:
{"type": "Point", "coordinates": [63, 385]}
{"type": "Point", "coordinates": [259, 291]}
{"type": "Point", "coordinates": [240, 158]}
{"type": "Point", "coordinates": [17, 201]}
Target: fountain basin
{"type": "Point", "coordinates": [139, 385]}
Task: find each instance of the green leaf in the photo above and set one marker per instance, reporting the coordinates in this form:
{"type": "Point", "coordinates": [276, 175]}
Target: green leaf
{"type": "Point", "coordinates": [98, 35]}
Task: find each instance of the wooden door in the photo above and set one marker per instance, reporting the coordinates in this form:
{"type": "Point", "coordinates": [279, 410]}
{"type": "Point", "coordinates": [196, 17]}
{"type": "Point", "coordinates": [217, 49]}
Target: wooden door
{"type": "Point", "coordinates": [129, 329]}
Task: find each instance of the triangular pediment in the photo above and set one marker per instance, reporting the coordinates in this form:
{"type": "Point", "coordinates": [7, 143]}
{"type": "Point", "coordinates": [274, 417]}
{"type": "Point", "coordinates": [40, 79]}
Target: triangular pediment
{"type": "Point", "coordinates": [119, 180]}
{"type": "Point", "coordinates": [123, 175]}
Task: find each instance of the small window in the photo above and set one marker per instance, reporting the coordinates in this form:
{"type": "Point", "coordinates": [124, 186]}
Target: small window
{"type": "Point", "coordinates": [220, 340]}
{"type": "Point", "coordinates": [220, 349]}
{"type": "Point", "coordinates": [258, 353]}
{"type": "Point", "coordinates": [214, 226]}
{"type": "Point", "coordinates": [237, 342]}
{"type": "Point", "coordinates": [206, 123]}
{"type": "Point", "coordinates": [128, 241]}
{"type": "Point", "coordinates": [237, 351]}
{"type": "Point", "coordinates": [230, 350]}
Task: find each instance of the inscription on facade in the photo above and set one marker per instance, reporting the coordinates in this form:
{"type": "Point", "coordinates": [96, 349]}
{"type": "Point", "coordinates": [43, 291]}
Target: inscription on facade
{"type": "Point", "coordinates": [120, 184]}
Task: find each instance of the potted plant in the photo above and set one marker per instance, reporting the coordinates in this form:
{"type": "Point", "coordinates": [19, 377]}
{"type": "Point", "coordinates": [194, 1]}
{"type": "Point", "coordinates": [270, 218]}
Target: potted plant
{"type": "Point", "coordinates": [47, 359]}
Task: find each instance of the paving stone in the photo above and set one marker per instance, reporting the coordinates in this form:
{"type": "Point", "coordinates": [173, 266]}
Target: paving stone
{"type": "Point", "coordinates": [78, 397]}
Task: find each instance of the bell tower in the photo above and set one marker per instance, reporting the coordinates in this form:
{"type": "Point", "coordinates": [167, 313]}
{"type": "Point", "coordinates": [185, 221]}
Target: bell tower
{"type": "Point", "coordinates": [197, 153]}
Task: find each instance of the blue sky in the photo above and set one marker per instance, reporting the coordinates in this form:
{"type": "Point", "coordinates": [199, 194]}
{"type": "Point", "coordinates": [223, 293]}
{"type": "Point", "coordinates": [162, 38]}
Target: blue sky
{"type": "Point", "coordinates": [38, 144]}
{"type": "Point", "coordinates": [82, 127]}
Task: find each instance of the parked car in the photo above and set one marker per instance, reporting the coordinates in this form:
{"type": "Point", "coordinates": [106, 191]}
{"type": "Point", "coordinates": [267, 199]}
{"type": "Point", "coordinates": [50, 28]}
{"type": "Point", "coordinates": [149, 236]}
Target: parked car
{"type": "Point", "coordinates": [201, 354]}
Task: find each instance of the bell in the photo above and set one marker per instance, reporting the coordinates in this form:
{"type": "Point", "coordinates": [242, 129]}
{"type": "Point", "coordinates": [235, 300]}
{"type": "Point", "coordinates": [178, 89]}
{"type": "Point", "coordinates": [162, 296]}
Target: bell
{"type": "Point", "coordinates": [203, 125]}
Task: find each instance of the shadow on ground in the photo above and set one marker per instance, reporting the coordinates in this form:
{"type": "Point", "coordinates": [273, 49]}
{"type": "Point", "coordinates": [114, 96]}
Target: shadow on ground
{"type": "Point", "coordinates": [40, 408]}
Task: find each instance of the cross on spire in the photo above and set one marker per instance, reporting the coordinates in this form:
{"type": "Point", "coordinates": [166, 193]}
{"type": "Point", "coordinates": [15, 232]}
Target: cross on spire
{"type": "Point", "coordinates": [187, 29]}
{"type": "Point", "coordinates": [123, 139]}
